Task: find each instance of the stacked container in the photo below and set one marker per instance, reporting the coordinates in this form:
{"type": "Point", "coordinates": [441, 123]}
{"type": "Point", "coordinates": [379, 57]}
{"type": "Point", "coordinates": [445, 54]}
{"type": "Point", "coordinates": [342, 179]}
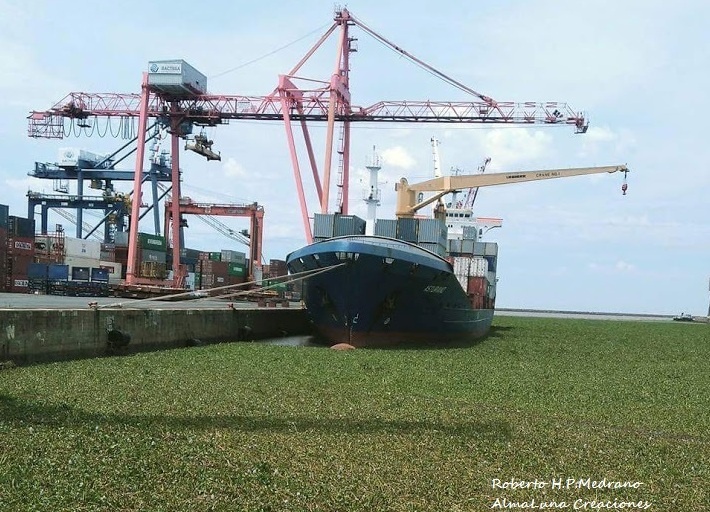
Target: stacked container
{"type": "Point", "coordinates": [328, 225]}
{"type": "Point", "coordinates": [113, 269]}
{"type": "Point", "coordinates": [472, 274]}
{"type": "Point", "coordinates": [386, 227]}
{"type": "Point", "coordinates": [81, 254]}
{"type": "Point", "coordinates": [49, 248]}
{"type": "Point", "coordinates": [57, 279]}
{"type": "Point", "coordinates": [20, 247]}
{"type": "Point", "coordinates": [108, 252]}
{"type": "Point", "coordinates": [432, 236]}
{"type": "Point", "coordinates": [152, 256]}
{"type": "Point", "coordinates": [408, 229]}
{"type": "Point", "coordinates": [277, 268]}
{"type": "Point", "coordinates": [346, 225]}
{"type": "Point", "coordinates": [213, 273]}
{"type": "Point", "coordinates": [120, 251]}
{"type": "Point", "coordinates": [37, 278]}
{"type": "Point", "coordinates": [233, 256]}
{"type": "Point", "coordinates": [4, 213]}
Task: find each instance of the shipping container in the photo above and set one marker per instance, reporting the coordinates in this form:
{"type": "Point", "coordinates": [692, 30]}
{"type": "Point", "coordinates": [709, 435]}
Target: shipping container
{"type": "Point", "coordinates": [386, 227]}
{"type": "Point", "coordinates": [17, 264]}
{"type": "Point", "coordinates": [431, 231]}
{"type": "Point", "coordinates": [152, 269]}
{"type": "Point", "coordinates": [206, 280]}
{"type": "Point", "coordinates": [4, 216]}
{"type": "Point", "coordinates": [470, 266]}
{"type": "Point", "coordinates": [214, 267]}
{"type": "Point", "coordinates": [121, 238]}
{"type": "Point", "coordinates": [20, 227]}
{"type": "Point", "coordinates": [491, 277]}
{"type": "Point", "coordinates": [20, 245]}
{"type": "Point", "coordinates": [80, 273]}
{"type": "Point", "coordinates": [108, 252]}
{"type": "Point", "coordinates": [234, 280]}
{"type": "Point", "coordinates": [79, 247]}
{"type": "Point", "coordinates": [347, 225]}
{"type": "Point", "coordinates": [56, 272]}
{"type": "Point", "coordinates": [468, 247]}
{"type": "Point", "coordinates": [233, 256]}
{"type": "Point", "coordinates": [154, 256]}
{"type": "Point", "coordinates": [146, 241]}
{"type": "Point", "coordinates": [19, 284]}
{"type": "Point", "coordinates": [408, 229]}
{"type": "Point", "coordinates": [78, 261]}
{"type": "Point", "coordinates": [438, 249]}
{"type": "Point", "coordinates": [477, 285]}
{"type": "Point", "coordinates": [42, 244]}
{"type": "Point", "coordinates": [454, 246]}
{"type": "Point", "coordinates": [323, 225]}
{"type": "Point", "coordinates": [215, 256]}
{"type": "Point", "coordinates": [490, 249]}
{"type": "Point", "coordinates": [37, 271]}
{"type": "Point", "coordinates": [277, 268]}
{"type": "Point", "coordinates": [113, 268]}
{"type": "Point", "coordinates": [99, 275]}
{"type": "Point", "coordinates": [236, 269]}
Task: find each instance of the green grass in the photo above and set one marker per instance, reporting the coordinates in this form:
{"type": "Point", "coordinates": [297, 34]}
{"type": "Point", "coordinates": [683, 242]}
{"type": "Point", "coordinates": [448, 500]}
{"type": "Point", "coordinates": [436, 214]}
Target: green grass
{"type": "Point", "coordinates": [258, 427]}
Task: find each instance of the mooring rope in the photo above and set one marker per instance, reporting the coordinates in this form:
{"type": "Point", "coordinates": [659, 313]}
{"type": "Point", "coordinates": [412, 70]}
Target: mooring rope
{"type": "Point", "coordinates": [295, 277]}
{"type": "Point", "coordinates": [302, 275]}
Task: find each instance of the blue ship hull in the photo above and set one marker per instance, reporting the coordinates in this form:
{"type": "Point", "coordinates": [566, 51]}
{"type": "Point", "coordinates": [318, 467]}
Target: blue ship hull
{"type": "Point", "coordinates": [383, 291]}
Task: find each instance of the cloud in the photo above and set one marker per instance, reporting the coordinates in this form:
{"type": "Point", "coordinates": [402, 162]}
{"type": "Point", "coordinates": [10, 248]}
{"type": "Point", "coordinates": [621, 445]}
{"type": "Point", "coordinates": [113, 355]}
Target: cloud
{"type": "Point", "coordinates": [233, 169]}
{"type": "Point", "coordinates": [398, 156]}
{"type": "Point", "coordinates": [620, 267]}
{"type": "Point", "coordinates": [508, 147]}
{"type": "Point", "coordinates": [602, 141]}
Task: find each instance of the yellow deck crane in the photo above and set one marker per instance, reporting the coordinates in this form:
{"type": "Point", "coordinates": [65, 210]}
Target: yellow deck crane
{"type": "Point", "coordinates": [408, 202]}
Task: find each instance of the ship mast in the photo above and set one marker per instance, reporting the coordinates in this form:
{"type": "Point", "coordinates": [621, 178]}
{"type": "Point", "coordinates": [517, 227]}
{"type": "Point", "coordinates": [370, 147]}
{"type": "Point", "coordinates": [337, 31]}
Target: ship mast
{"type": "Point", "coordinates": [371, 195]}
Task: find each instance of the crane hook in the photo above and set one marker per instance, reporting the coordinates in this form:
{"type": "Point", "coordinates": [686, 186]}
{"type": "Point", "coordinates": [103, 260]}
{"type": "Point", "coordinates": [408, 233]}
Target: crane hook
{"type": "Point", "coordinates": [624, 186]}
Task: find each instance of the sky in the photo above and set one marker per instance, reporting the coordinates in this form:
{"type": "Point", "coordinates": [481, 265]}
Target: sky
{"type": "Point", "coordinates": [637, 69]}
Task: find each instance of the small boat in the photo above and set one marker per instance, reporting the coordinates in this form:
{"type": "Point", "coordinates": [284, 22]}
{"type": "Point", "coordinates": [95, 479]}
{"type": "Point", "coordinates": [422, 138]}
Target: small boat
{"type": "Point", "coordinates": [684, 317]}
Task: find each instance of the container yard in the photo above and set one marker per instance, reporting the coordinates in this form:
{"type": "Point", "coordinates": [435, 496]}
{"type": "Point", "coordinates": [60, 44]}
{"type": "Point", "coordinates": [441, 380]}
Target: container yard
{"type": "Point", "coordinates": [56, 264]}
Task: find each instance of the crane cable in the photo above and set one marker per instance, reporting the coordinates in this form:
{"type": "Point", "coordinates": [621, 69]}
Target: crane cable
{"type": "Point", "coordinates": [212, 77]}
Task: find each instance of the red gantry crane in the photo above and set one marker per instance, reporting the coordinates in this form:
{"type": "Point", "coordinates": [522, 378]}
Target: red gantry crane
{"type": "Point", "coordinates": [294, 100]}
{"type": "Point", "coordinates": [254, 211]}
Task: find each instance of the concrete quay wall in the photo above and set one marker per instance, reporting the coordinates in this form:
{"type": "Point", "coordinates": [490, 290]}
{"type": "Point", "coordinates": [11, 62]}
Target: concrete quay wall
{"type": "Point", "coordinates": [37, 335]}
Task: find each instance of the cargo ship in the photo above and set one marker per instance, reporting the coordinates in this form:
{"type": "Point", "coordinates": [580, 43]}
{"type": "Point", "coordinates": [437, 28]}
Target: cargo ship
{"type": "Point", "coordinates": [410, 281]}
